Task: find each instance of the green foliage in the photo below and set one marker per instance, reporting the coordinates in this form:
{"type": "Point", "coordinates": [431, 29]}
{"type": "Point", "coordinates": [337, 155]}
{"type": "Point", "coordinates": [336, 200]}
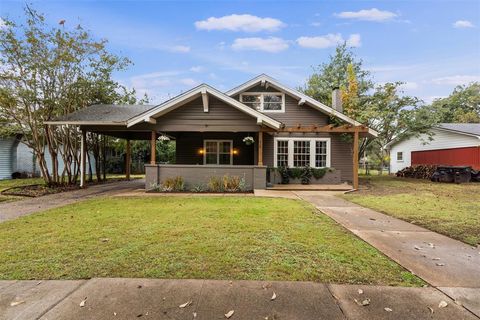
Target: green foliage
{"type": "Point", "coordinates": [306, 175]}
{"type": "Point", "coordinates": [318, 173]}
{"type": "Point", "coordinates": [463, 105]}
{"type": "Point", "coordinates": [215, 184]}
{"type": "Point", "coordinates": [226, 183]}
{"type": "Point", "coordinates": [335, 74]}
{"type": "Point", "coordinates": [284, 174]}
{"type": "Point", "coordinates": [173, 184]}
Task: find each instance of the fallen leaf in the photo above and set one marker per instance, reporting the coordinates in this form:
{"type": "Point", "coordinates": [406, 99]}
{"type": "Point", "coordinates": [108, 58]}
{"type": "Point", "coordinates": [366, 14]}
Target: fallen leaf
{"type": "Point", "coordinates": [364, 303]}
{"type": "Point", "coordinates": [16, 303]}
{"type": "Point", "coordinates": [104, 239]}
{"type": "Point", "coordinates": [274, 296]}
{"type": "Point", "coordinates": [436, 259]}
{"type": "Point", "coordinates": [114, 313]}
{"type": "Point", "coordinates": [431, 245]}
{"type": "Point", "coordinates": [431, 309]}
{"type": "Point", "coordinates": [39, 282]}
{"type": "Point", "coordinates": [442, 304]}
{"type": "Point", "coordinates": [265, 286]}
{"type": "Point", "coordinates": [194, 315]}
{"type": "Point", "coordinates": [82, 303]}
{"type": "Point", "coordinates": [186, 304]}
{"type": "Point", "coordinates": [229, 314]}
{"type": "Point", "coordinates": [416, 247]}
{"type": "Point", "coordinates": [360, 291]}
{"type": "Point", "coordinates": [440, 264]}
{"type": "Point", "coordinates": [139, 286]}
{"type": "Point", "coordinates": [388, 309]}
{"type": "Point", "coordinates": [458, 302]}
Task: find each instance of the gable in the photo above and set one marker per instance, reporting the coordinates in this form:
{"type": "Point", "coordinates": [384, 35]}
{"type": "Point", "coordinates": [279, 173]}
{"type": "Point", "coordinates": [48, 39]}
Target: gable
{"type": "Point", "coordinates": [294, 113]}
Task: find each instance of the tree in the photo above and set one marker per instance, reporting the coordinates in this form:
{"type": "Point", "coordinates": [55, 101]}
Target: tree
{"type": "Point", "coordinates": [335, 74]}
{"type": "Point", "coordinates": [48, 72]}
{"type": "Point", "coordinates": [350, 95]}
{"type": "Point", "coordinates": [463, 105]}
{"type": "Point", "coordinates": [394, 116]}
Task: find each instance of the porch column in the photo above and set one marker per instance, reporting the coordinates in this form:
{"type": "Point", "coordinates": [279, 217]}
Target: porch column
{"type": "Point", "coordinates": [260, 148]}
{"type": "Point", "coordinates": [355, 159]}
{"type": "Point", "coordinates": [128, 160]}
{"type": "Point", "coordinates": [153, 144]}
{"type": "Point", "coordinates": [83, 157]}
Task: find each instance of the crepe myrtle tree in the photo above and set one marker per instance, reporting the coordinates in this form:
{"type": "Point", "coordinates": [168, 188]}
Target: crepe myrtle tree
{"type": "Point", "coordinates": [50, 71]}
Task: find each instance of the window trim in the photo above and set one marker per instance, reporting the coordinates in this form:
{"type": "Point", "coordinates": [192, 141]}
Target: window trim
{"type": "Point", "coordinates": [312, 150]}
{"type": "Point", "coordinates": [262, 94]}
{"type": "Point", "coordinates": [218, 153]}
{"type": "Point", "coordinates": [400, 160]}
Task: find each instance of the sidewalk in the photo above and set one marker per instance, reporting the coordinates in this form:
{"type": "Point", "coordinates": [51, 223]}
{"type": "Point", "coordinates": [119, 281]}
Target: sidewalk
{"type": "Point", "coordinates": [450, 265]}
{"type": "Point", "coordinates": [212, 299]}
{"type": "Point", "coordinates": [16, 209]}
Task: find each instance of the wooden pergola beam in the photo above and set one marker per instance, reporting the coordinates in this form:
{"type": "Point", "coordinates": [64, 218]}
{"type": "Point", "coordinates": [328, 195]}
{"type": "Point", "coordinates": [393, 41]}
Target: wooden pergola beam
{"type": "Point", "coordinates": [327, 128]}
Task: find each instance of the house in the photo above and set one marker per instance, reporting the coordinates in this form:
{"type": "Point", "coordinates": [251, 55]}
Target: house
{"type": "Point", "coordinates": [209, 126]}
{"type": "Point", "coordinates": [456, 144]}
{"type": "Point", "coordinates": [16, 156]}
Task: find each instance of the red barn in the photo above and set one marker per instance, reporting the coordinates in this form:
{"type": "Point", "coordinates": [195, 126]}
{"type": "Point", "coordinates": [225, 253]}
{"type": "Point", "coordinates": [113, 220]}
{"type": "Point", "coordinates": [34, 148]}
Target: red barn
{"type": "Point", "coordinates": [455, 144]}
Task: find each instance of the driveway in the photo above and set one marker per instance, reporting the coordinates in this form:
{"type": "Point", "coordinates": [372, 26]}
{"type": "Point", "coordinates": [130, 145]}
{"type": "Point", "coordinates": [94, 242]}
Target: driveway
{"type": "Point", "coordinates": [13, 210]}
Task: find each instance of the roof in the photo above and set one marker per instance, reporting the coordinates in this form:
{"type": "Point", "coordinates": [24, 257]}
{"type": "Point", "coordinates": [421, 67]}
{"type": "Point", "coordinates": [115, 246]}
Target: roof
{"type": "Point", "coordinates": [104, 114]}
{"type": "Point", "coordinates": [195, 92]}
{"type": "Point", "coordinates": [303, 98]}
{"type": "Point", "coordinates": [466, 128]}
{"type": "Point", "coordinates": [469, 129]}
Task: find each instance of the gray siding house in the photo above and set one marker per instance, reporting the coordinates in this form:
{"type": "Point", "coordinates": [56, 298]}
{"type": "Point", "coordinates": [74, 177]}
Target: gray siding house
{"type": "Point", "coordinates": [289, 129]}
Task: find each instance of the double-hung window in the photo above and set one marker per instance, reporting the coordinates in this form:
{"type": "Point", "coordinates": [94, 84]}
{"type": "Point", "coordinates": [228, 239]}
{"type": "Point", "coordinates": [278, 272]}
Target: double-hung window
{"type": "Point", "coordinates": [264, 101]}
{"type": "Point", "coordinates": [302, 152]}
{"type": "Point", "coordinates": [400, 156]}
{"type": "Point", "coordinates": [218, 152]}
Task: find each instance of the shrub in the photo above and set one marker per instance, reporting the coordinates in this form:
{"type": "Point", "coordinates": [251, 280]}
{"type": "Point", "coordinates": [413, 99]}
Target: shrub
{"type": "Point", "coordinates": [231, 183]}
{"type": "Point", "coordinates": [306, 175]}
{"type": "Point", "coordinates": [318, 173]}
{"type": "Point", "coordinates": [173, 184]}
{"type": "Point", "coordinates": [295, 173]}
{"type": "Point", "coordinates": [284, 174]}
{"type": "Point", "coordinates": [197, 188]}
{"type": "Point", "coordinates": [215, 184]}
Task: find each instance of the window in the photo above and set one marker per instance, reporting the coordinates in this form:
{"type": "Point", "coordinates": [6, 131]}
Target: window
{"type": "Point", "coordinates": [217, 152]}
{"type": "Point", "coordinates": [301, 152]}
{"type": "Point", "coordinates": [264, 101]}
{"type": "Point", "coordinates": [282, 153]}
{"type": "Point", "coordinates": [400, 156]}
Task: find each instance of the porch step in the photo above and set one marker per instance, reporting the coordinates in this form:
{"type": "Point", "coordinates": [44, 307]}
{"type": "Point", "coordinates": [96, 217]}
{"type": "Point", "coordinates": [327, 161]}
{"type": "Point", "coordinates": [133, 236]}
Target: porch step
{"type": "Point", "coordinates": [311, 187]}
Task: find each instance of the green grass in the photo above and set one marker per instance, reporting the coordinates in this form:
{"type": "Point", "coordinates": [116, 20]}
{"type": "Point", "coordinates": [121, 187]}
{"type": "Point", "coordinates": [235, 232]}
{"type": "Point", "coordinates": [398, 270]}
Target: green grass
{"type": "Point", "coordinates": [450, 209]}
{"type": "Point", "coordinates": [191, 237]}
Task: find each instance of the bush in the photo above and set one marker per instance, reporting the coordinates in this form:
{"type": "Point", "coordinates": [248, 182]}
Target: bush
{"type": "Point", "coordinates": [318, 173]}
{"type": "Point", "coordinates": [215, 184]}
{"type": "Point", "coordinates": [306, 175]}
{"type": "Point", "coordinates": [226, 183]}
{"type": "Point", "coordinates": [173, 184]}
{"type": "Point", "coordinates": [197, 188]}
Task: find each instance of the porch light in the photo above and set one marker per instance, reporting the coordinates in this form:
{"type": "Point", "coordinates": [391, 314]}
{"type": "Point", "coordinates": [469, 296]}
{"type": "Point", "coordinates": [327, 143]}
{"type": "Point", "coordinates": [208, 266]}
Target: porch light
{"type": "Point", "coordinates": [200, 151]}
{"type": "Point", "coordinates": [235, 151]}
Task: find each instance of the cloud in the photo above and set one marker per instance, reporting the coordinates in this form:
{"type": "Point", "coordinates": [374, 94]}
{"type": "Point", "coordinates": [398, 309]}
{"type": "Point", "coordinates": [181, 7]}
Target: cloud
{"type": "Point", "coordinates": [456, 80]}
{"type": "Point", "coordinates": [197, 69]}
{"type": "Point", "coordinates": [240, 22]}
{"type": "Point", "coordinates": [180, 49]}
{"type": "Point", "coordinates": [329, 40]}
{"type": "Point", "coordinates": [271, 44]}
{"type": "Point", "coordinates": [189, 82]}
{"type": "Point", "coordinates": [368, 15]}
{"type": "Point", "coordinates": [461, 24]}
{"type": "Point", "coordinates": [316, 24]}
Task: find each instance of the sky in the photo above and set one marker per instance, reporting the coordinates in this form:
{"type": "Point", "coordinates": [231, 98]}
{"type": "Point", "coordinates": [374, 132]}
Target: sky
{"type": "Point", "coordinates": [431, 46]}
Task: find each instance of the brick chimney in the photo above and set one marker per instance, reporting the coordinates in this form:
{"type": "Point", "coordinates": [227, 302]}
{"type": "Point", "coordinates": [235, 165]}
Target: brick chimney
{"type": "Point", "coordinates": [337, 99]}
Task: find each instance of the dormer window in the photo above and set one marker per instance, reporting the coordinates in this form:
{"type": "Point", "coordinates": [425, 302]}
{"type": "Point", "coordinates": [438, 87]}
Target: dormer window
{"type": "Point", "coordinates": [264, 101]}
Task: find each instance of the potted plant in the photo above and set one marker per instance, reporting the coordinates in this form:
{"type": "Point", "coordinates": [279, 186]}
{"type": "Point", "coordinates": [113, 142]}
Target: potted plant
{"type": "Point", "coordinates": [248, 140]}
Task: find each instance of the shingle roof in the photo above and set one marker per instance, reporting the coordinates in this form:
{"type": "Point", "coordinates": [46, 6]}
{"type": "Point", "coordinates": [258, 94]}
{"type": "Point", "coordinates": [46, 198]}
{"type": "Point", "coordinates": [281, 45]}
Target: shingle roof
{"type": "Point", "coordinates": [469, 128]}
{"type": "Point", "coordinates": [107, 113]}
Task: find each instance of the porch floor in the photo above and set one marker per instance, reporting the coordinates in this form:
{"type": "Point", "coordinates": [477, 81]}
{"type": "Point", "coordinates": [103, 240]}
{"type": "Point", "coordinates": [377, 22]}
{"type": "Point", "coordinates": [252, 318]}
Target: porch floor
{"type": "Point", "coordinates": [311, 187]}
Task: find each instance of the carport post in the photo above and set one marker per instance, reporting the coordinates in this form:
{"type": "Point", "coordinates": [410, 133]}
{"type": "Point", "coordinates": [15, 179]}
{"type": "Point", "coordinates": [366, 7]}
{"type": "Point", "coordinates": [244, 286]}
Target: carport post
{"type": "Point", "coordinates": [83, 157]}
{"type": "Point", "coordinates": [128, 160]}
{"type": "Point", "coordinates": [153, 152]}
{"type": "Point", "coordinates": [355, 159]}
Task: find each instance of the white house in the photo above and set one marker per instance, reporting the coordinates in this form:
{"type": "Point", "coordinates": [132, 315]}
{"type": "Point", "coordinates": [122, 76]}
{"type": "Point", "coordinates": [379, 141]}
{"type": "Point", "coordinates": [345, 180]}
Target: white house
{"type": "Point", "coordinates": [453, 144]}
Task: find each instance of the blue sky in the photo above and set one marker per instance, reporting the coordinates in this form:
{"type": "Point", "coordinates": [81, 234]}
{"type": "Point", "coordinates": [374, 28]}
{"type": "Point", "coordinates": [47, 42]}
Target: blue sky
{"type": "Point", "coordinates": [430, 45]}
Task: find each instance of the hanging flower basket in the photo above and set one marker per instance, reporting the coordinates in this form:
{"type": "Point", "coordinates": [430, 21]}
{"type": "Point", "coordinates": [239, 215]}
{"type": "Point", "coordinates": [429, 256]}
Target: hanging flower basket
{"type": "Point", "coordinates": [248, 140]}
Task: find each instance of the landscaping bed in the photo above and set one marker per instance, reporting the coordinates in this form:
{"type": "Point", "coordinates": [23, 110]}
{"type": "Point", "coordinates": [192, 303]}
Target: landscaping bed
{"type": "Point", "coordinates": [191, 237]}
{"type": "Point", "coordinates": [449, 209]}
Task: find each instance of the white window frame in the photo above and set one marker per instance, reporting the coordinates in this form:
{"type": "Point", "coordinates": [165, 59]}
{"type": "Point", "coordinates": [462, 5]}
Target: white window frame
{"type": "Point", "coordinates": [312, 150]}
{"type": "Point", "coordinates": [218, 153]}
{"type": "Point", "coordinates": [262, 94]}
{"type": "Point", "coordinates": [400, 160]}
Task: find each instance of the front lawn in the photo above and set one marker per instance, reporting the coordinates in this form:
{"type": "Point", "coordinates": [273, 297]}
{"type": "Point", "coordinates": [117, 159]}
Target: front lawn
{"type": "Point", "coordinates": [450, 209]}
{"type": "Point", "coordinates": [191, 237]}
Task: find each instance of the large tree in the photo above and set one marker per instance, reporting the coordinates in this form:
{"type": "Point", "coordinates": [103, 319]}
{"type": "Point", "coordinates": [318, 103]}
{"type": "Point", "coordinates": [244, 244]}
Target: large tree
{"type": "Point", "coordinates": [463, 105]}
{"type": "Point", "coordinates": [334, 74]}
{"type": "Point", "coordinates": [48, 72]}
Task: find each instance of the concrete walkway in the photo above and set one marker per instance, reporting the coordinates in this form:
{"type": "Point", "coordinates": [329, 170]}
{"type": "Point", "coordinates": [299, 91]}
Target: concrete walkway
{"type": "Point", "coordinates": [212, 299]}
{"type": "Point", "coordinates": [15, 209]}
{"type": "Point", "coordinates": [450, 265]}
